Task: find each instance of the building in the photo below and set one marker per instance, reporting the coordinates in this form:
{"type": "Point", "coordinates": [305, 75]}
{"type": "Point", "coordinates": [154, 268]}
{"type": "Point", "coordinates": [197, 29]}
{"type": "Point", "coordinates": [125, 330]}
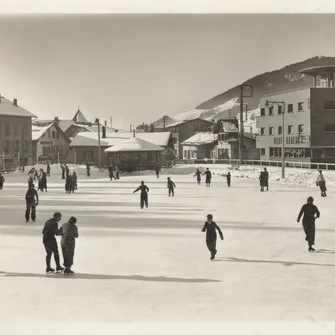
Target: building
{"type": "Point", "coordinates": [183, 130]}
{"type": "Point", "coordinates": [135, 154]}
{"type": "Point", "coordinates": [200, 146]}
{"type": "Point", "coordinates": [15, 134]}
{"type": "Point", "coordinates": [49, 144]}
{"type": "Point", "coordinates": [84, 147]}
{"type": "Point", "coordinates": [309, 121]}
{"type": "Point", "coordinates": [227, 147]}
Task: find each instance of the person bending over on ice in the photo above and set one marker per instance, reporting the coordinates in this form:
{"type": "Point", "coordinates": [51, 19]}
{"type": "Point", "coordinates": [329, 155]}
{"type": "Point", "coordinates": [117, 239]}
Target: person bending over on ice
{"type": "Point", "coordinates": [69, 233]}
{"type": "Point", "coordinates": [210, 228]}
{"type": "Point", "coordinates": [310, 212]}
{"type": "Point", "coordinates": [321, 182]}
{"type": "Point", "coordinates": [2, 180]}
{"type": "Point", "coordinates": [171, 186]}
{"type": "Point", "coordinates": [144, 194]}
{"type": "Point", "coordinates": [198, 174]}
{"type": "Point", "coordinates": [31, 203]}
{"type": "Point", "coordinates": [208, 175]}
{"type": "Point", "coordinates": [50, 244]}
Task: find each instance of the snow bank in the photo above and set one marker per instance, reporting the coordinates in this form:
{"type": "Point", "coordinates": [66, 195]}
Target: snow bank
{"type": "Point", "coordinates": [293, 176]}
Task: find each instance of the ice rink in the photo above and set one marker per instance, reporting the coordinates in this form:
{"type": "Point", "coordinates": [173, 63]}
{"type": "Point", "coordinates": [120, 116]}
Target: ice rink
{"type": "Point", "coordinates": [152, 265]}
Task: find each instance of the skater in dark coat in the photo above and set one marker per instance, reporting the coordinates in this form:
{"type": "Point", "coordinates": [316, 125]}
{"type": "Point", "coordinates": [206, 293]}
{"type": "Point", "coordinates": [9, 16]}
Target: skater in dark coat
{"type": "Point", "coordinates": [228, 178]}
{"type": "Point", "coordinates": [42, 184]}
{"type": "Point", "coordinates": [117, 172]}
{"type": "Point", "coordinates": [144, 194]}
{"type": "Point", "coordinates": [31, 203]}
{"type": "Point", "coordinates": [68, 184]}
{"type": "Point", "coordinates": [210, 228]}
{"type": "Point", "coordinates": [266, 179]}
{"type": "Point", "coordinates": [88, 170]}
{"type": "Point", "coordinates": [171, 186]}
{"type": "Point", "coordinates": [157, 170]}
{"type": "Point", "coordinates": [63, 171]}
{"type": "Point", "coordinates": [74, 181]}
{"type": "Point", "coordinates": [321, 182]}
{"type": "Point", "coordinates": [2, 181]}
{"type": "Point", "coordinates": [69, 233]}
{"type": "Point", "coordinates": [198, 175]}
{"type": "Point", "coordinates": [310, 212]}
{"type": "Point", "coordinates": [262, 180]}
{"type": "Point", "coordinates": [50, 244]}
{"type": "Point", "coordinates": [48, 170]}
{"type": "Point", "coordinates": [67, 171]}
{"type": "Point", "coordinates": [111, 172]}
{"type": "Point", "coordinates": [31, 178]}
{"type": "Point", "coordinates": [208, 175]}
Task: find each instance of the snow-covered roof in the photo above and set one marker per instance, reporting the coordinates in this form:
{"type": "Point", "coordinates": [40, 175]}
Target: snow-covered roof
{"type": "Point", "coordinates": [201, 139]}
{"type": "Point", "coordinates": [159, 138]}
{"type": "Point", "coordinates": [7, 108]}
{"type": "Point", "coordinates": [184, 121]}
{"type": "Point", "coordinates": [80, 118]}
{"type": "Point", "coordinates": [228, 126]}
{"type": "Point", "coordinates": [37, 132]}
{"type": "Point", "coordinates": [134, 144]}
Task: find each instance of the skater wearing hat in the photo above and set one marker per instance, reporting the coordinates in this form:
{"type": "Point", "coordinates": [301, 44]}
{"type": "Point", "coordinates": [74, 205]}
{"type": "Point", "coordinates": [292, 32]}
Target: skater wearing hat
{"type": "Point", "coordinates": [310, 212]}
{"type": "Point", "coordinates": [210, 228]}
{"type": "Point", "coordinates": [171, 186]}
{"type": "Point", "coordinates": [144, 194]}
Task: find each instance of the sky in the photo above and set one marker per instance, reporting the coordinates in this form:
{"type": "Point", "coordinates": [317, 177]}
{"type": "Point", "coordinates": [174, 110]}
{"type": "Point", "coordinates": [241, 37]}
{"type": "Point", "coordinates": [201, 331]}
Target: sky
{"type": "Point", "coordinates": [136, 68]}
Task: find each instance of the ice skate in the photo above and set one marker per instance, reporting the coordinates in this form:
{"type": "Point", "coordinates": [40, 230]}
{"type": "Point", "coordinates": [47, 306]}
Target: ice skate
{"type": "Point", "coordinates": [311, 249]}
{"type": "Point", "coordinates": [59, 269]}
{"type": "Point", "coordinates": [212, 257]}
{"type": "Point", "coordinates": [68, 271]}
{"type": "Point", "coordinates": [50, 270]}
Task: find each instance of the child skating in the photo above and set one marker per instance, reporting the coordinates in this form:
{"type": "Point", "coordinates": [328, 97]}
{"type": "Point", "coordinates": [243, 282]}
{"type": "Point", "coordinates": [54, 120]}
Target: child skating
{"type": "Point", "coordinates": [210, 228]}
{"type": "Point", "coordinates": [171, 186]}
{"type": "Point", "coordinates": [198, 175]}
{"type": "Point", "coordinates": [144, 194]}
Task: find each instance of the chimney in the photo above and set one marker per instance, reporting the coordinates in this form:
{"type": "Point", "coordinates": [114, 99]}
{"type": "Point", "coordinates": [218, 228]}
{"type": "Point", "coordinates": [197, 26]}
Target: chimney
{"type": "Point", "coordinates": [103, 131]}
{"type": "Point", "coordinates": [15, 102]}
{"type": "Point", "coordinates": [105, 123]}
{"type": "Point", "coordinates": [56, 120]}
{"type": "Point", "coordinates": [111, 122]}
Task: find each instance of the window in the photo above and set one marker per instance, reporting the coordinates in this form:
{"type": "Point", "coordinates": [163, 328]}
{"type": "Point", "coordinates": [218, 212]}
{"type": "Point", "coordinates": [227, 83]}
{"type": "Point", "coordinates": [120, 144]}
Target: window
{"type": "Point", "coordinates": [53, 134]}
{"type": "Point", "coordinates": [88, 155]}
{"type": "Point", "coordinates": [17, 146]}
{"type": "Point", "coordinates": [271, 131]}
{"type": "Point", "coordinates": [15, 129]}
{"type": "Point", "coordinates": [280, 109]}
{"type": "Point", "coordinates": [290, 108]}
{"type": "Point", "coordinates": [280, 130]}
{"type": "Point", "coordinates": [7, 129]}
{"type": "Point", "coordinates": [330, 128]}
{"type": "Point", "coordinates": [301, 129]}
{"type": "Point", "coordinates": [271, 110]}
{"type": "Point", "coordinates": [6, 146]}
{"type": "Point", "coordinates": [263, 151]}
{"type": "Point", "coordinates": [262, 111]}
{"type": "Point", "coordinates": [263, 131]}
{"type": "Point", "coordinates": [329, 104]}
{"type": "Point", "coordinates": [271, 152]}
{"type": "Point", "coordinates": [44, 149]}
{"type": "Point", "coordinates": [57, 134]}
{"type": "Point", "coordinates": [290, 130]}
{"type": "Point", "coordinates": [49, 133]}
{"type": "Point", "coordinates": [185, 153]}
{"type": "Point", "coordinates": [300, 106]}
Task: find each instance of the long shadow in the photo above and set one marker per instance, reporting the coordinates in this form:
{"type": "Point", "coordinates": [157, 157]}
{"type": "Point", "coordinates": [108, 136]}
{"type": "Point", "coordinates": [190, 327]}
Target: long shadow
{"type": "Point", "coordinates": [325, 251]}
{"type": "Point", "coordinates": [110, 277]}
{"type": "Point", "coordinates": [285, 263]}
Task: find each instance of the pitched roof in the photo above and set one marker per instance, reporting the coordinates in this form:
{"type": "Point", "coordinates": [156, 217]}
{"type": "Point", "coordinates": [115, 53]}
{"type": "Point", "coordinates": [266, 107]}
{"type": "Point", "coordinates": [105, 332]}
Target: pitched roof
{"type": "Point", "coordinates": [184, 121]}
{"type": "Point", "coordinates": [160, 138]}
{"type": "Point", "coordinates": [229, 126]}
{"type": "Point", "coordinates": [90, 139]}
{"type": "Point", "coordinates": [80, 118]}
{"type": "Point", "coordinates": [7, 108]}
{"type": "Point", "coordinates": [201, 139]}
{"type": "Point", "coordinates": [134, 144]}
{"type": "Point", "coordinates": [65, 124]}
{"type": "Point", "coordinates": [38, 132]}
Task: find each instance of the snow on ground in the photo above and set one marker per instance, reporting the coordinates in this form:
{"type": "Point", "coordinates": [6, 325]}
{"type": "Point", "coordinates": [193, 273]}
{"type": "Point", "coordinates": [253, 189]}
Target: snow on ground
{"type": "Point", "coordinates": [152, 265]}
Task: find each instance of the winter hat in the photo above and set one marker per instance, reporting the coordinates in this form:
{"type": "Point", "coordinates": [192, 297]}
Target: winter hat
{"type": "Point", "coordinates": [310, 199]}
{"type": "Point", "coordinates": [73, 220]}
{"type": "Point", "coordinates": [209, 216]}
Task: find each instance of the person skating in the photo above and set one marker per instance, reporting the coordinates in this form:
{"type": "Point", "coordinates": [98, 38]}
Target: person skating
{"type": "Point", "coordinates": [48, 170]}
{"type": "Point", "coordinates": [88, 170]}
{"type": "Point", "coordinates": [74, 181]}
{"type": "Point", "coordinates": [31, 203]}
{"type": "Point", "coordinates": [67, 171]}
{"type": "Point", "coordinates": [261, 180]}
{"type": "Point", "coordinates": [42, 181]}
{"type": "Point", "coordinates": [157, 170]}
{"type": "Point", "coordinates": [321, 182]}
{"type": "Point", "coordinates": [69, 233]}
{"type": "Point", "coordinates": [144, 194]}
{"type": "Point", "coordinates": [266, 179]}
{"type": "Point", "coordinates": [228, 176]}
{"type": "Point", "coordinates": [171, 186]}
{"type": "Point", "coordinates": [210, 228]}
{"type": "Point", "coordinates": [2, 181]}
{"type": "Point", "coordinates": [31, 178]}
{"type": "Point", "coordinates": [198, 174]}
{"type": "Point", "coordinates": [310, 212]}
{"type": "Point", "coordinates": [63, 171]}
{"type": "Point", "coordinates": [111, 172]}
{"type": "Point", "coordinates": [68, 184]}
{"type": "Point", "coordinates": [117, 172]}
{"type": "Point", "coordinates": [49, 232]}
{"type": "Point", "coordinates": [208, 175]}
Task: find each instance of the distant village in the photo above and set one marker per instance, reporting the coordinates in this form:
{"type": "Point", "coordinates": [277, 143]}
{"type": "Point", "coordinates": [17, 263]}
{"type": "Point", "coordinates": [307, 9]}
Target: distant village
{"type": "Point", "coordinates": [299, 124]}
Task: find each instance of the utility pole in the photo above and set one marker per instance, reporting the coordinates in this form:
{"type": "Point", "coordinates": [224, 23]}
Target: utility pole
{"type": "Point", "coordinates": [241, 126]}
{"type": "Point", "coordinates": [22, 146]}
{"type": "Point", "coordinates": [164, 123]}
{"type": "Point", "coordinates": [99, 144]}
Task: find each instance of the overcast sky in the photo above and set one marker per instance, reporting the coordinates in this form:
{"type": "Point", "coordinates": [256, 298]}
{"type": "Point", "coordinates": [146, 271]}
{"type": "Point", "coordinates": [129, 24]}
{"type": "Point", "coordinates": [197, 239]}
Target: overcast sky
{"type": "Point", "coordinates": [137, 68]}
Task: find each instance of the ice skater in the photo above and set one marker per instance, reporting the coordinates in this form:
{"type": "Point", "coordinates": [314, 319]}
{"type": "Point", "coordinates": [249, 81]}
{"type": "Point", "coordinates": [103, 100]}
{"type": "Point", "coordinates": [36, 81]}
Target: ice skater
{"type": "Point", "coordinates": [2, 181]}
{"type": "Point", "coordinates": [117, 172]}
{"type": "Point", "coordinates": [50, 244]}
{"type": "Point", "coordinates": [48, 169]}
{"type": "Point", "coordinates": [67, 171]}
{"type": "Point", "coordinates": [210, 228]}
{"type": "Point", "coordinates": [31, 203]}
{"type": "Point", "coordinates": [42, 183]}
{"type": "Point", "coordinates": [321, 182]}
{"type": "Point", "coordinates": [63, 171]}
{"type": "Point", "coordinates": [31, 177]}
{"type": "Point", "coordinates": [208, 175]}
{"type": "Point", "coordinates": [144, 194]}
{"type": "Point", "coordinates": [74, 181]}
{"type": "Point", "coordinates": [171, 186]}
{"type": "Point", "coordinates": [88, 170]}
{"type": "Point", "coordinates": [228, 176]}
{"type": "Point", "coordinates": [69, 233]}
{"type": "Point", "coordinates": [262, 180]}
{"type": "Point", "coordinates": [266, 179]}
{"type": "Point", "coordinates": [111, 172]}
{"type": "Point", "coordinates": [157, 170]}
{"type": "Point", "coordinates": [310, 212]}
{"type": "Point", "coordinates": [68, 184]}
{"type": "Point", "coordinates": [198, 175]}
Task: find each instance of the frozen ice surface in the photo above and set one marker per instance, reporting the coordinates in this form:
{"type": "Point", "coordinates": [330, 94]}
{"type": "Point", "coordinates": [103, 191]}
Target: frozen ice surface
{"type": "Point", "coordinates": [152, 265]}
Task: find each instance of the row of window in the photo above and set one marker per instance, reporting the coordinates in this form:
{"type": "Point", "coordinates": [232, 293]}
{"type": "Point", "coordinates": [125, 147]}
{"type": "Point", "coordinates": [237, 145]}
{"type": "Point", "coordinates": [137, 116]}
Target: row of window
{"type": "Point", "coordinates": [290, 109]}
{"type": "Point", "coordinates": [51, 134]}
{"type": "Point", "coordinates": [289, 152]}
{"type": "Point", "coordinates": [13, 147]}
{"type": "Point", "coordinates": [52, 149]}
{"type": "Point", "coordinates": [14, 129]}
{"type": "Point", "coordinates": [290, 130]}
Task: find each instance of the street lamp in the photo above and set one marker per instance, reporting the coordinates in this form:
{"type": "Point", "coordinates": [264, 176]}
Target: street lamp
{"type": "Point", "coordinates": [280, 103]}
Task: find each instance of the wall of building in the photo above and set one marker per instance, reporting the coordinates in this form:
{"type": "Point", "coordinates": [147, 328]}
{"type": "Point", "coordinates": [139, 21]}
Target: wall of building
{"type": "Point", "coordinates": [83, 155]}
{"type": "Point", "coordinates": [15, 138]}
{"type": "Point", "coordinates": [293, 119]}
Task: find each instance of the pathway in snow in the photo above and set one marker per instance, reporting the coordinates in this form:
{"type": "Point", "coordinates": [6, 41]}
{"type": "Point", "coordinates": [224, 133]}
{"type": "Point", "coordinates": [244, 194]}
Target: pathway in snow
{"type": "Point", "coordinates": [152, 265]}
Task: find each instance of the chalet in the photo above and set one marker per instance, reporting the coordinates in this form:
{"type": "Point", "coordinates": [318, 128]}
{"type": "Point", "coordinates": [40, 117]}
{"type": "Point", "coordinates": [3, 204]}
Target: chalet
{"type": "Point", "coordinates": [200, 146]}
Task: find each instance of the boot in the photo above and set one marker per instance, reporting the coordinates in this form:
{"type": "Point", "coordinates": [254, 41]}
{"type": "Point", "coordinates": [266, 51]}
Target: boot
{"type": "Point", "coordinates": [59, 268]}
{"type": "Point", "coordinates": [50, 270]}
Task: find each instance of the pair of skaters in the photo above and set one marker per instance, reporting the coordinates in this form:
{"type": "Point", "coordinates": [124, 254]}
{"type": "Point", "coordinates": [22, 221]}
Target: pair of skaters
{"type": "Point", "coordinates": [69, 232]}
{"type": "Point", "coordinates": [309, 211]}
{"type": "Point", "coordinates": [208, 175]}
